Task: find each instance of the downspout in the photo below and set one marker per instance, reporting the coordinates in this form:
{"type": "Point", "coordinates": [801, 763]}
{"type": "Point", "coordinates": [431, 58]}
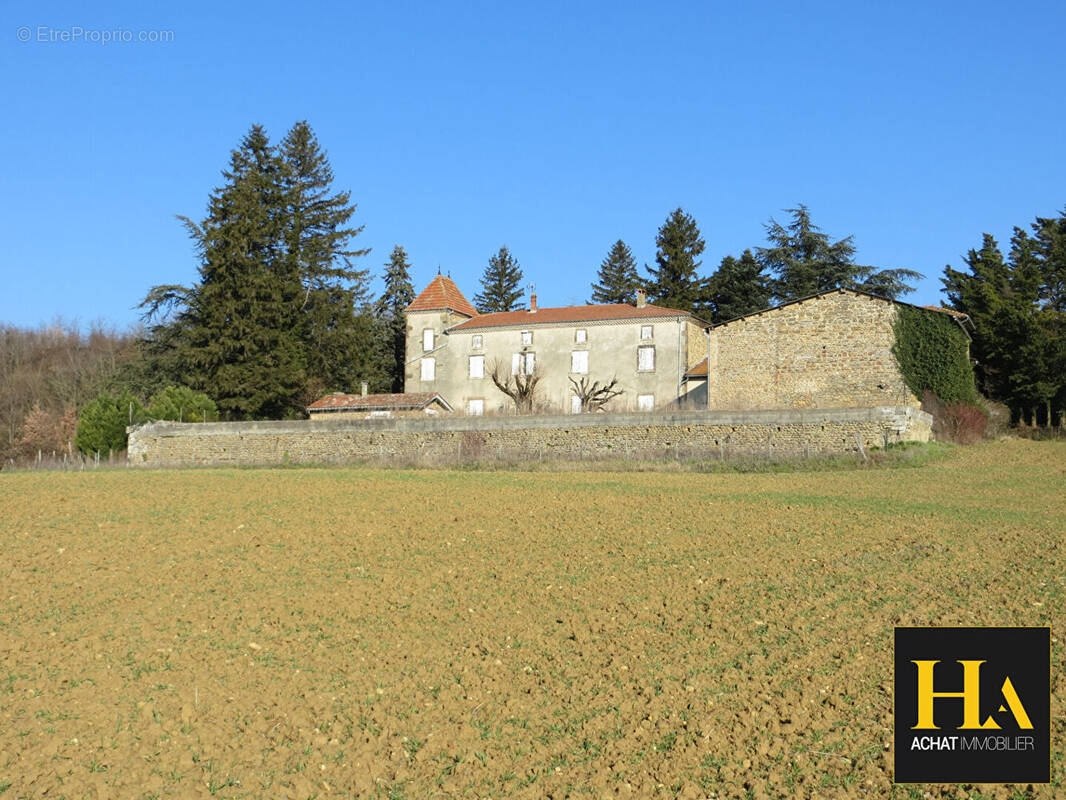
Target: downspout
{"type": "Point", "coordinates": [680, 361]}
{"type": "Point", "coordinates": [708, 330]}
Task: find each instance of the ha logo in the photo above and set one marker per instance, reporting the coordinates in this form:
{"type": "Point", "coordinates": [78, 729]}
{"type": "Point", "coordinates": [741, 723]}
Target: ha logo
{"type": "Point", "coordinates": [960, 715]}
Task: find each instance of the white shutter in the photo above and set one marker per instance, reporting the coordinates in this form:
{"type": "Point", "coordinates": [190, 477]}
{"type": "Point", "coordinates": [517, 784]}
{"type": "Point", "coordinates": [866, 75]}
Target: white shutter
{"type": "Point", "coordinates": [645, 402]}
{"type": "Point", "coordinates": [477, 366]}
{"type": "Point", "coordinates": [515, 359]}
{"type": "Point", "coordinates": [646, 359]}
{"type": "Point", "coordinates": [427, 340]}
{"type": "Point", "coordinates": [579, 362]}
{"type": "Point", "coordinates": [429, 369]}
{"type": "Point", "coordinates": [575, 404]}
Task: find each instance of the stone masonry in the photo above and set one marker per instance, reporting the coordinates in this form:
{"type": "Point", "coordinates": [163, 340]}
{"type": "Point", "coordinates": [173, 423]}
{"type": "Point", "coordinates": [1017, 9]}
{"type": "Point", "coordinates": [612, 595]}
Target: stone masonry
{"type": "Point", "coordinates": [832, 350]}
{"type": "Point", "coordinates": [789, 433]}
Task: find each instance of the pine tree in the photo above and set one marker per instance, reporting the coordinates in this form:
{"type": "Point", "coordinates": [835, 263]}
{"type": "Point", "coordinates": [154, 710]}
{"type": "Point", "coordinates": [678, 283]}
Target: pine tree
{"type": "Point", "coordinates": [501, 284]}
{"type": "Point", "coordinates": [399, 293]}
{"type": "Point", "coordinates": [738, 287]}
{"type": "Point", "coordinates": [803, 261]}
{"type": "Point", "coordinates": [618, 278]}
{"type": "Point", "coordinates": [336, 329]}
{"type": "Point", "coordinates": [675, 284]}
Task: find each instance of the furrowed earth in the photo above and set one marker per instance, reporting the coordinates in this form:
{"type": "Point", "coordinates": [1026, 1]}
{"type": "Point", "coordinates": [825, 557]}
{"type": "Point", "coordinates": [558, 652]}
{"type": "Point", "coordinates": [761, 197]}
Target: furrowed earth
{"type": "Point", "coordinates": [299, 633]}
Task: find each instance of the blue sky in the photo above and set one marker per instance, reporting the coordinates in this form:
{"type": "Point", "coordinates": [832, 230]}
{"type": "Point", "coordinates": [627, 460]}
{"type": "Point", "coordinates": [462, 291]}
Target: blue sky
{"type": "Point", "coordinates": [553, 128]}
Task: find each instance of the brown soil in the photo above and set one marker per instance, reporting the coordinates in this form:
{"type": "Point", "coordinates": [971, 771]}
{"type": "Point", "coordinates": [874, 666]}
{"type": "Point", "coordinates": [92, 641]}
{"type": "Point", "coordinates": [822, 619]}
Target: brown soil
{"type": "Point", "coordinates": [359, 633]}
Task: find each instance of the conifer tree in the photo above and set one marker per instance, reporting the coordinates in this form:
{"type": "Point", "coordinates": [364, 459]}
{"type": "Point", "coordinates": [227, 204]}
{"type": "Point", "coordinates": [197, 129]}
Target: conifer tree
{"type": "Point", "coordinates": [618, 278]}
{"type": "Point", "coordinates": [501, 284]}
{"type": "Point", "coordinates": [738, 287]}
{"type": "Point", "coordinates": [399, 293]}
{"type": "Point", "coordinates": [242, 346]}
{"type": "Point", "coordinates": [675, 283]}
{"type": "Point", "coordinates": [803, 261]}
{"type": "Point", "coordinates": [336, 328]}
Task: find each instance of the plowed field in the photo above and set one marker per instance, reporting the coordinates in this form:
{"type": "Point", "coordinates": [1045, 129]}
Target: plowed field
{"type": "Point", "coordinates": [359, 633]}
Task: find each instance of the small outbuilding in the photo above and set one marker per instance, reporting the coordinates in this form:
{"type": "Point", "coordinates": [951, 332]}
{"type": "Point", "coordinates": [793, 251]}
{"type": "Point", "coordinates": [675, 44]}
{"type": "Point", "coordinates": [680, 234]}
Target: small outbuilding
{"type": "Point", "coordinates": [373, 406]}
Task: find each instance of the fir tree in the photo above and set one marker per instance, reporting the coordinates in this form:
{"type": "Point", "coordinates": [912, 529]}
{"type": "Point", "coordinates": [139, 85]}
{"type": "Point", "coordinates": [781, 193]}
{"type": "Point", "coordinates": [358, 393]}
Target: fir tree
{"type": "Point", "coordinates": [399, 293]}
{"type": "Point", "coordinates": [501, 285]}
{"type": "Point", "coordinates": [1015, 344]}
{"type": "Point", "coordinates": [618, 278]}
{"type": "Point", "coordinates": [336, 329]}
{"type": "Point", "coordinates": [803, 261]}
{"type": "Point", "coordinates": [675, 283]}
{"type": "Point", "coordinates": [242, 346]}
{"type": "Point", "coordinates": [738, 287]}
{"type": "Point", "coordinates": [235, 332]}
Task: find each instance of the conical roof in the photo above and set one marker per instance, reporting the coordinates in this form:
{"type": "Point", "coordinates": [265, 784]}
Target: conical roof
{"type": "Point", "coordinates": [442, 293]}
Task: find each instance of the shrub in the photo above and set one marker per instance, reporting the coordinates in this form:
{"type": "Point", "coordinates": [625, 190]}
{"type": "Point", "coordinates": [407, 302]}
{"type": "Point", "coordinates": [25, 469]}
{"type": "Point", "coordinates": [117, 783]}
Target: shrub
{"type": "Point", "coordinates": [182, 404]}
{"type": "Point", "coordinates": [102, 423]}
{"type": "Point", "coordinates": [964, 423]}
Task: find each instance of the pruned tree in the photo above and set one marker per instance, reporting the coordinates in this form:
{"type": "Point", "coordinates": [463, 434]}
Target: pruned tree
{"type": "Point", "coordinates": [520, 384]}
{"type": "Point", "coordinates": [594, 395]}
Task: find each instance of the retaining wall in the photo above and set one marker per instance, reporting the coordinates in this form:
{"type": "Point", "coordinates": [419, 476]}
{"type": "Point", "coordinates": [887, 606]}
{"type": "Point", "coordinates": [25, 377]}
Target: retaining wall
{"type": "Point", "coordinates": [724, 434]}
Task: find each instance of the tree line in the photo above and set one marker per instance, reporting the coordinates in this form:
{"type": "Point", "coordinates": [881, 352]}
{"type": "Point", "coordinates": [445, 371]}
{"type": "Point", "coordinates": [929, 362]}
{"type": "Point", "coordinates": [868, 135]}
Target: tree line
{"type": "Point", "coordinates": [1018, 307]}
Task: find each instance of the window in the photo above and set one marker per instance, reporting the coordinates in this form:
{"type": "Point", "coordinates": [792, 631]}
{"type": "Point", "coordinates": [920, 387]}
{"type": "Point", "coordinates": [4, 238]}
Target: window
{"type": "Point", "coordinates": [476, 342]}
{"type": "Point", "coordinates": [645, 402]}
{"type": "Point", "coordinates": [645, 359]}
{"type": "Point", "coordinates": [646, 331]}
{"type": "Point", "coordinates": [477, 366]}
{"type": "Point", "coordinates": [579, 362]}
{"type": "Point", "coordinates": [516, 360]}
{"type": "Point", "coordinates": [527, 338]}
{"type": "Point", "coordinates": [581, 336]}
{"type": "Point", "coordinates": [427, 340]}
{"type": "Point", "coordinates": [475, 407]}
{"type": "Point", "coordinates": [575, 404]}
{"type": "Point", "coordinates": [429, 369]}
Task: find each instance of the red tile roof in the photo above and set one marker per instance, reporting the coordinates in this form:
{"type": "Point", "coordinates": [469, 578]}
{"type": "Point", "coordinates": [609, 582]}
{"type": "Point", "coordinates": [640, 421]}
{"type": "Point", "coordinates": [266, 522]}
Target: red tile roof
{"type": "Point", "coordinates": [697, 370]}
{"type": "Point", "coordinates": [442, 293]}
{"type": "Point", "coordinates": [373, 402]}
{"type": "Point", "coordinates": [543, 316]}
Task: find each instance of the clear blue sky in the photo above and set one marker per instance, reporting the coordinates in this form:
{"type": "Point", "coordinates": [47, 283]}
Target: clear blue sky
{"type": "Point", "coordinates": [553, 128]}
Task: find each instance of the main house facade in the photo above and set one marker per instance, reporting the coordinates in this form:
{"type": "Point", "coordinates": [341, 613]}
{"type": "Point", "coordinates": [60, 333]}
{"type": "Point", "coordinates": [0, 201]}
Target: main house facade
{"type": "Point", "coordinates": [831, 350]}
{"type": "Point", "coordinates": [649, 350]}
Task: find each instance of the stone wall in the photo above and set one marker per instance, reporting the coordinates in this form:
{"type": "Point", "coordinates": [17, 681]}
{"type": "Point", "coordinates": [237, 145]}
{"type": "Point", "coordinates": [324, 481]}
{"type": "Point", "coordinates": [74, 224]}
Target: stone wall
{"type": "Point", "coordinates": [462, 439]}
{"type": "Point", "coordinates": [829, 351]}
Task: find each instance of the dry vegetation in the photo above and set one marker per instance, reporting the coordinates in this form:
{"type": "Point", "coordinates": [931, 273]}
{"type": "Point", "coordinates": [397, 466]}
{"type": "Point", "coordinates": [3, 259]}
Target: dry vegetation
{"type": "Point", "coordinates": [359, 633]}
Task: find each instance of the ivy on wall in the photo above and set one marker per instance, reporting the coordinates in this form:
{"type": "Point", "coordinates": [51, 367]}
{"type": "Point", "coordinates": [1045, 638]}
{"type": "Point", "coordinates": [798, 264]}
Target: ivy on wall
{"type": "Point", "coordinates": [933, 354]}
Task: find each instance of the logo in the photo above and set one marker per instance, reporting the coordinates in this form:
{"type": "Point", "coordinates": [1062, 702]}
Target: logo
{"type": "Point", "coordinates": [973, 705]}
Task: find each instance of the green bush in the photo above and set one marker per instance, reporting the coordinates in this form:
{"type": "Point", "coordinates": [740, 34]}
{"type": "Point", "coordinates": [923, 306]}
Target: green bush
{"type": "Point", "coordinates": [182, 404]}
{"type": "Point", "coordinates": [102, 422]}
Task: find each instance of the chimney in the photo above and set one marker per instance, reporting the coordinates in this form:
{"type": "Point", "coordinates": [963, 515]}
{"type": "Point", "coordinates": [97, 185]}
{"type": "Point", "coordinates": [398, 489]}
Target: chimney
{"type": "Point", "coordinates": [364, 386]}
{"type": "Point", "coordinates": [532, 298]}
{"type": "Point", "coordinates": [642, 298]}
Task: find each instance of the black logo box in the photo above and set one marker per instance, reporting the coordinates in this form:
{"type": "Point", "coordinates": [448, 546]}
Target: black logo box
{"type": "Point", "coordinates": [1007, 755]}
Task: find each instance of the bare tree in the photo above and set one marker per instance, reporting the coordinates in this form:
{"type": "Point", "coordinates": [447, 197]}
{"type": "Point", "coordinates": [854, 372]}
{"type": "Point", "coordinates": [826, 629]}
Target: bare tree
{"type": "Point", "coordinates": [521, 387]}
{"type": "Point", "coordinates": [595, 395]}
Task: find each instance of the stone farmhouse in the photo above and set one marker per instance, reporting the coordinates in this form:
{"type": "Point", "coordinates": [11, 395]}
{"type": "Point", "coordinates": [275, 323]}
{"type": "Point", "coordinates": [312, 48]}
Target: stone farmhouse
{"type": "Point", "coordinates": [453, 350]}
{"type": "Point", "coordinates": [831, 350]}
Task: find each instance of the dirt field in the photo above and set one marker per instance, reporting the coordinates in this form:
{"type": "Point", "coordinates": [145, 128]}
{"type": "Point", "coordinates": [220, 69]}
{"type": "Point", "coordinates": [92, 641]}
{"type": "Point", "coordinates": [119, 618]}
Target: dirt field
{"type": "Point", "coordinates": [357, 633]}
